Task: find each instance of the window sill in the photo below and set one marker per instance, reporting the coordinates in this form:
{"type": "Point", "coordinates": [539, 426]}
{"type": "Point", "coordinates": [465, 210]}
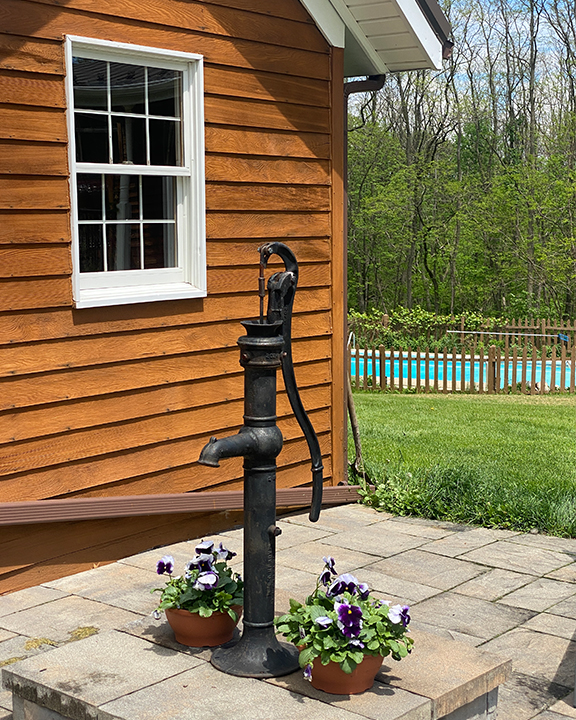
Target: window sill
{"type": "Point", "coordinates": [103, 297]}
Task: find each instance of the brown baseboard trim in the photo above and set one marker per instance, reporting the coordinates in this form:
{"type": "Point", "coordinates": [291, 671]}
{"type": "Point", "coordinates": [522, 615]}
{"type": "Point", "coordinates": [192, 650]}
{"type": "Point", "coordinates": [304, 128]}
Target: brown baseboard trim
{"type": "Point", "coordinates": [75, 509]}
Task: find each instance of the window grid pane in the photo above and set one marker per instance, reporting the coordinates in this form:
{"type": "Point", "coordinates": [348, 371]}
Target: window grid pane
{"type": "Point", "coordinates": [133, 137]}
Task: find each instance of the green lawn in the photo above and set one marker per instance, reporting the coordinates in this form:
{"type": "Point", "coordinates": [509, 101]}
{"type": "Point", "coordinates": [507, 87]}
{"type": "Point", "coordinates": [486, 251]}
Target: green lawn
{"type": "Point", "coordinates": [505, 461]}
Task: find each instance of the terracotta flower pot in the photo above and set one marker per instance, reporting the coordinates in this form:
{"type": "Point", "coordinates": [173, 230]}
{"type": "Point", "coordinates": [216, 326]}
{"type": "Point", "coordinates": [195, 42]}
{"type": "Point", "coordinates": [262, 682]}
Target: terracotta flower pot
{"type": "Point", "coordinates": [196, 631]}
{"type": "Point", "coordinates": [332, 679]}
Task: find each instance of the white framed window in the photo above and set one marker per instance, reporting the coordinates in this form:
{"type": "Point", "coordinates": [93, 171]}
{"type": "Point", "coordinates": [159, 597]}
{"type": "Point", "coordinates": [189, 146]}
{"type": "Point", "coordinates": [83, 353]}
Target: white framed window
{"type": "Point", "coordinates": [136, 155]}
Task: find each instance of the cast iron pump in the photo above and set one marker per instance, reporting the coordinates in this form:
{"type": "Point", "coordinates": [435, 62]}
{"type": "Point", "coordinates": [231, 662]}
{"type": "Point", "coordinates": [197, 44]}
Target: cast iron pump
{"type": "Point", "coordinates": [266, 347]}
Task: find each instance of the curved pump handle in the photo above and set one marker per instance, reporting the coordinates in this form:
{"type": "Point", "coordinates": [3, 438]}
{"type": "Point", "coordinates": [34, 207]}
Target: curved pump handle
{"type": "Point", "coordinates": [281, 291]}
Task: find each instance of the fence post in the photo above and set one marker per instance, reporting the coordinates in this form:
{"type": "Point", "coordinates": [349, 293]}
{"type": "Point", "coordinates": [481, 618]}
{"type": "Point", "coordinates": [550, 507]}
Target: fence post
{"type": "Point", "coordinates": [491, 369]}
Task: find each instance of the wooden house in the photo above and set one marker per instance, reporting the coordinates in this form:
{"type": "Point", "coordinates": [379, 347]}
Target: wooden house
{"type": "Point", "coordinates": [147, 148]}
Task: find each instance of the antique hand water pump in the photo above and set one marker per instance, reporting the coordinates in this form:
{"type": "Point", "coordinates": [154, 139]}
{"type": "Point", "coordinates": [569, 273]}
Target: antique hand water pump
{"type": "Point", "coordinates": [266, 347]}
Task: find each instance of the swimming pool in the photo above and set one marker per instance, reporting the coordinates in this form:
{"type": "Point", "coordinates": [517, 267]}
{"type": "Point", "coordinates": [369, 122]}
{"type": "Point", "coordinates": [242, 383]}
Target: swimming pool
{"type": "Point", "coordinates": [462, 369]}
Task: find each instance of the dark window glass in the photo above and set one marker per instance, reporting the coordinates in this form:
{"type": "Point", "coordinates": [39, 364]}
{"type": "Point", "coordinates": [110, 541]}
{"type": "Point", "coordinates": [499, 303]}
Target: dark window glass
{"type": "Point", "coordinates": [122, 197]}
{"type": "Point", "coordinates": [164, 92]}
{"type": "Point", "coordinates": [90, 84]}
{"type": "Point", "coordinates": [89, 196]}
{"type": "Point", "coordinates": [159, 246]}
{"type": "Point", "coordinates": [127, 88]}
{"type": "Point", "coordinates": [165, 142]}
{"type": "Point", "coordinates": [158, 195]}
{"type": "Point", "coordinates": [91, 138]}
{"type": "Point", "coordinates": [91, 248]}
{"type": "Point", "coordinates": [123, 247]}
{"type": "Point", "coordinates": [129, 140]}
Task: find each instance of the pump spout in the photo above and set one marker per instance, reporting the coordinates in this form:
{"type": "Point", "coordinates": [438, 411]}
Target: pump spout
{"type": "Point", "coordinates": [247, 443]}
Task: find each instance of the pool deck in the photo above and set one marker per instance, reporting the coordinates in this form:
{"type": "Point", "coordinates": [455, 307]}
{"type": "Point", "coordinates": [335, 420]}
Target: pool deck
{"type": "Point", "coordinates": [510, 594]}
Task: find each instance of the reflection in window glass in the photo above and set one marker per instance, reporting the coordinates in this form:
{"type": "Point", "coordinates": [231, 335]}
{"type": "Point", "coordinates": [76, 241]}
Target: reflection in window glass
{"type": "Point", "coordinates": [159, 245]}
{"type": "Point", "coordinates": [165, 142]}
{"type": "Point", "coordinates": [164, 92]}
{"type": "Point", "coordinates": [128, 140]}
{"type": "Point", "coordinates": [127, 88]}
{"type": "Point", "coordinates": [90, 84]}
{"type": "Point", "coordinates": [89, 196]}
{"type": "Point", "coordinates": [91, 248]}
{"type": "Point", "coordinates": [91, 138]}
{"type": "Point", "coordinates": [123, 246]}
{"type": "Point", "coordinates": [122, 197]}
{"type": "Point", "coordinates": [158, 197]}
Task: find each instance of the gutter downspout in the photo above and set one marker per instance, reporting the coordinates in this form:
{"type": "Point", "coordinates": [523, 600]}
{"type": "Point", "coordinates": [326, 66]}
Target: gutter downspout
{"type": "Point", "coordinates": [373, 83]}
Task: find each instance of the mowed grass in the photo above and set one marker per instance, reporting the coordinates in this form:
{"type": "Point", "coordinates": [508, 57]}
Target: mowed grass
{"type": "Point", "coordinates": [498, 461]}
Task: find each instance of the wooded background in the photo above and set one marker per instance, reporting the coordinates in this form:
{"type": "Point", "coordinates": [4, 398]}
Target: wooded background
{"type": "Point", "coordinates": [462, 189]}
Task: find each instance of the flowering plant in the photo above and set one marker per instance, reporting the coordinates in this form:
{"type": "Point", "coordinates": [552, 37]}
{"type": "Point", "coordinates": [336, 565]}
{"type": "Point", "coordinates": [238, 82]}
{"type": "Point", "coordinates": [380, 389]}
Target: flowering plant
{"type": "Point", "coordinates": [341, 623]}
{"type": "Point", "coordinates": [207, 586]}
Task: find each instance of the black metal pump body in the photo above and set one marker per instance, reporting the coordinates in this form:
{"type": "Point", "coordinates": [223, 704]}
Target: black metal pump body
{"type": "Point", "coordinates": [266, 347]}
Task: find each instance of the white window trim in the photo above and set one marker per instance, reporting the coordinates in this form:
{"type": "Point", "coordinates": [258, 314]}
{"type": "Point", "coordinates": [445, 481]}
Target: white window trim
{"type": "Point", "coordinates": [188, 280]}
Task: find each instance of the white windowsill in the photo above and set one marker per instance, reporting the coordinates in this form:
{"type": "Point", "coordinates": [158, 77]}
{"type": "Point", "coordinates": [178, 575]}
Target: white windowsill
{"type": "Point", "coordinates": [103, 297]}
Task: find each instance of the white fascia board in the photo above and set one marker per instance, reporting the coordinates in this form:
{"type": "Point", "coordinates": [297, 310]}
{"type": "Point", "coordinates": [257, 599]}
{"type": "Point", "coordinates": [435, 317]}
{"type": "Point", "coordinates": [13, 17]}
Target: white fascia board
{"type": "Point", "coordinates": [379, 66]}
{"type": "Point", "coordinates": [431, 46]}
{"type": "Point", "coordinates": [328, 21]}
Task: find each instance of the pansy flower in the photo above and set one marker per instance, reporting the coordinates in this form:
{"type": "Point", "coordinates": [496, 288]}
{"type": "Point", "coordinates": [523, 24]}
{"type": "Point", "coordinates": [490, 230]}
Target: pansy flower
{"type": "Point", "coordinates": [343, 583]}
{"type": "Point", "coordinates": [399, 614]}
{"type": "Point", "coordinates": [363, 590]}
{"type": "Point", "coordinates": [203, 562]}
{"type": "Point", "coordinates": [206, 581]}
{"type": "Point", "coordinates": [308, 673]}
{"type": "Point", "coordinates": [324, 621]}
{"type": "Point", "coordinates": [204, 547]}
{"type": "Point", "coordinates": [349, 619]}
{"type": "Point", "coordinates": [165, 565]}
{"type": "Point", "coordinates": [330, 562]}
{"type": "Point", "coordinates": [223, 553]}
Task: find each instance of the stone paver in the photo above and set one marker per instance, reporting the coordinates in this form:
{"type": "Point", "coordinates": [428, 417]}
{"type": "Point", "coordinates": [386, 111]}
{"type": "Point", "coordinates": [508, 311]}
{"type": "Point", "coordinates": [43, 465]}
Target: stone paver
{"type": "Point", "coordinates": [412, 592]}
{"type": "Point", "coordinates": [309, 556]}
{"type": "Point", "coordinates": [493, 584]}
{"type": "Point", "coordinates": [539, 595]}
{"type": "Point", "coordinates": [468, 677]}
{"type": "Point", "coordinates": [240, 698]}
{"type": "Point", "coordinates": [446, 633]}
{"type": "Point", "coordinates": [118, 584]}
{"type": "Point", "coordinates": [31, 597]}
{"type": "Point", "coordinates": [381, 702]}
{"type": "Point", "coordinates": [565, 707]}
{"type": "Point", "coordinates": [505, 592]}
{"type": "Point", "coordinates": [61, 620]}
{"type": "Point", "coordinates": [567, 545]}
{"type": "Point", "coordinates": [377, 540]}
{"type": "Point", "coordinates": [567, 608]}
{"type": "Point", "coordinates": [553, 625]}
{"type": "Point", "coordinates": [469, 615]}
{"type": "Point", "coordinates": [566, 573]}
{"type": "Point", "coordinates": [126, 664]}
{"type": "Point", "coordinates": [524, 697]}
{"type": "Point", "coordinates": [428, 569]}
{"type": "Point", "coordinates": [431, 532]}
{"type": "Point", "coordinates": [537, 654]}
{"type": "Point", "coordinates": [520, 558]}
{"type": "Point", "coordinates": [459, 543]}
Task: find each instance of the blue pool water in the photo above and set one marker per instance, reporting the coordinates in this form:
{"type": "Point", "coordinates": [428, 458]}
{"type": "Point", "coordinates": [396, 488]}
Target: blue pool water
{"type": "Point", "coordinates": [469, 366]}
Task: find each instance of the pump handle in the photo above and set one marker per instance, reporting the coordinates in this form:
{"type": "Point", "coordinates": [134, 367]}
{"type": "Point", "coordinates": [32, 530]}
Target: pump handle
{"type": "Point", "coordinates": [281, 290]}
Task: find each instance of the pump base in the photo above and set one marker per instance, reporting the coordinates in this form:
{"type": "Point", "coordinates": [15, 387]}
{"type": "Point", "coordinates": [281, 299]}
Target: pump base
{"type": "Point", "coordinates": [258, 654]}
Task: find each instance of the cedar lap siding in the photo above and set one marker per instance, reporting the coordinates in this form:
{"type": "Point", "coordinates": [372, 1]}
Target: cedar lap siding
{"type": "Point", "coordinates": [119, 400]}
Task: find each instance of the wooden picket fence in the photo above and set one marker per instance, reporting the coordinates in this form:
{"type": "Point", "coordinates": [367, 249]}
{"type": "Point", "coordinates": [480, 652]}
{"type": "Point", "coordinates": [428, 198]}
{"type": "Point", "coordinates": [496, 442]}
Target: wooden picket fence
{"type": "Point", "coordinates": [491, 371]}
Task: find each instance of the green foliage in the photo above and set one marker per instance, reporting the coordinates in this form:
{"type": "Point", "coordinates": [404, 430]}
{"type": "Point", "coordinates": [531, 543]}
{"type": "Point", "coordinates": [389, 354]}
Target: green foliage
{"type": "Point", "coordinates": [378, 634]}
{"type": "Point", "coordinates": [187, 593]}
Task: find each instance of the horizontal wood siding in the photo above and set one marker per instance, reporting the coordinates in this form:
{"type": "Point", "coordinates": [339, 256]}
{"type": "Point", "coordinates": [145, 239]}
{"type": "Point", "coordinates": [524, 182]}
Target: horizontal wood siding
{"type": "Point", "coordinates": [119, 401]}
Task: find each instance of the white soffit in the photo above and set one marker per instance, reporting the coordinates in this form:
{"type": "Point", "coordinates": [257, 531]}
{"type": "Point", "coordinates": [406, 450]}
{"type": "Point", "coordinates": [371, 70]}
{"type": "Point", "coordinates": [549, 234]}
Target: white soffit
{"type": "Point", "coordinates": [379, 36]}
